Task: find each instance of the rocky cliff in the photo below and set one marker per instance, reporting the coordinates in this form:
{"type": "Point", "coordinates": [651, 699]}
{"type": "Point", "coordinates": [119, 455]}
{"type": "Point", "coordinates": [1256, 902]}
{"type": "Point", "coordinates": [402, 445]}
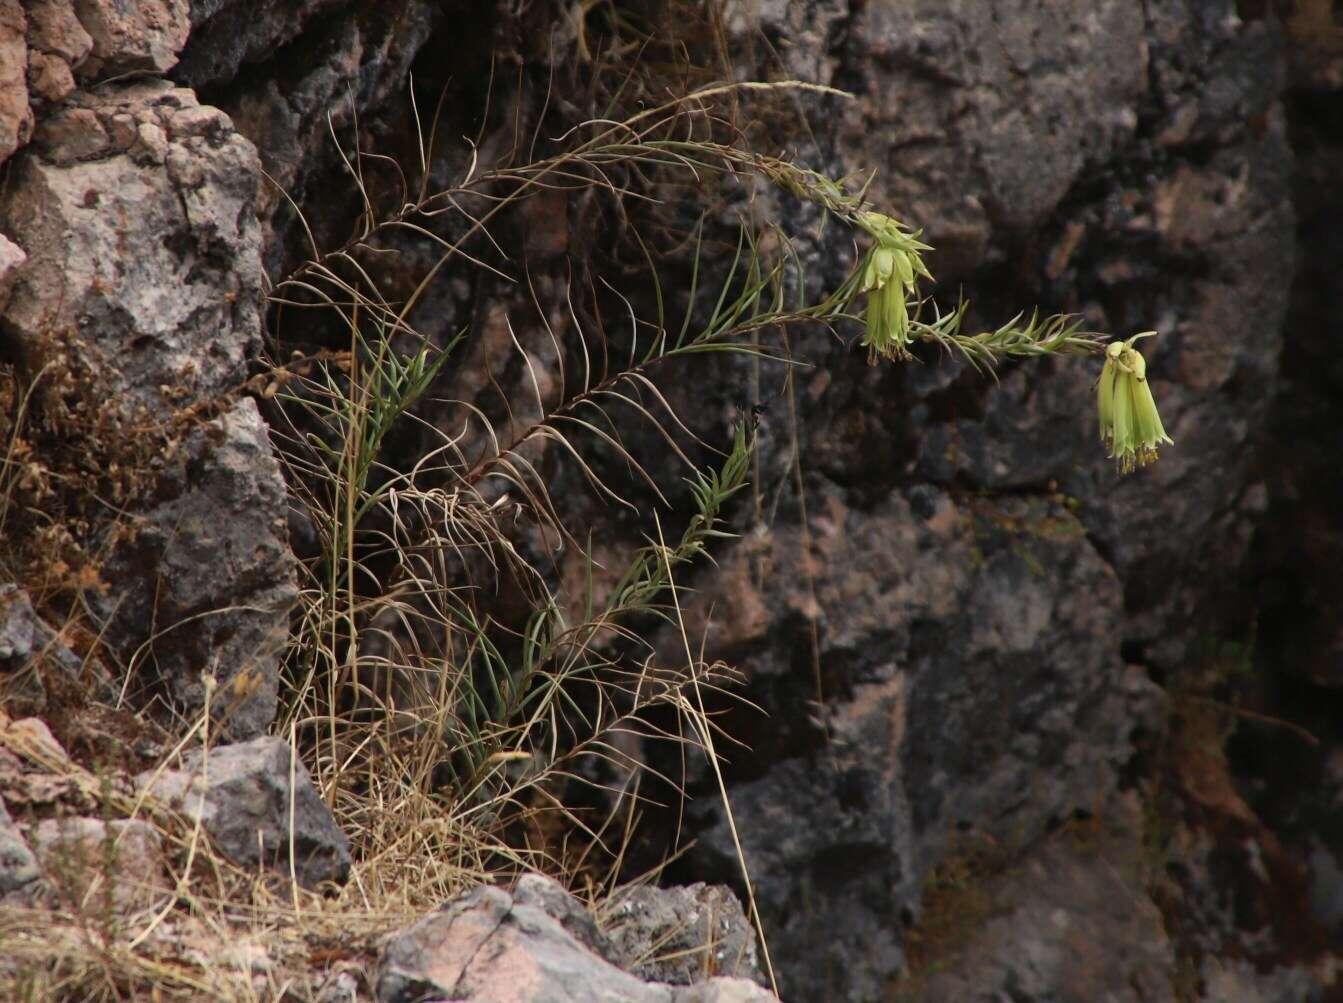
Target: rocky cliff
{"type": "Point", "coordinates": [1004, 723]}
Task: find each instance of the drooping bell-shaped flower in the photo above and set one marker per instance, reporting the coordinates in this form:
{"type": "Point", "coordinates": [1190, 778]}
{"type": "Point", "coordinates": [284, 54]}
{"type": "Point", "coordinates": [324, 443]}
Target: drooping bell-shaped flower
{"type": "Point", "coordinates": [1130, 426]}
{"type": "Point", "coordinates": [893, 266]}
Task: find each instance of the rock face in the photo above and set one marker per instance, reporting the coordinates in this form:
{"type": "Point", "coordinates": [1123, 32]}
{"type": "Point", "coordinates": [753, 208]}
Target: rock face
{"type": "Point", "coordinates": [256, 801]}
{"type": "Point", "coordinates": [981, 691]}
{"type": "Point", "coordinates": [972, 581]}
{"type": "Point", "coordinates": [957, 620]}
{"type": "Point", "coordinates": [217, 543]}
{"type": "Point", "coordinates": [986, 121]}
{"type": "Point", "coordinates": [140, 297]}
{"type": "Point", "coordinates": [1070, 921]}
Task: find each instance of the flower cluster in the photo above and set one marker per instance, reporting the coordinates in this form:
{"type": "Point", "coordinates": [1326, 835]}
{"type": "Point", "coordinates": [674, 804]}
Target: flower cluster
{"type": "Point", "coordinates": [893, 267]}
{"type": "Point", "coordinates": [1130, 426]}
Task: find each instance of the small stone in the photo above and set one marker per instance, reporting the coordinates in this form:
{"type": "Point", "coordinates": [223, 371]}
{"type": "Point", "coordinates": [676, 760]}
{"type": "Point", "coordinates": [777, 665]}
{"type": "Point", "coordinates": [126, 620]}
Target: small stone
{"type": "Point", "coordinates": [198, 120]}
{"type": "Point", "coordinates": [72, 135]}
{"type": "Point", "coordinates": [90, 863]}
{"type": "Point", "coordinates": [681, 935]}
{"type": "Point", "coordinates": [49, 77]}
{"type": "Point", "coordinates": [33, 739]}
{"type": "Point", "coordinates": [18, 866]}
{"type": "Point", "coordinates": [150, 145]}
{"type": "Point", "coordinates": [339, 987]}
{"type": "Point", "coordinates": [244, 799]}
{"type": "Point", "coordinates": [121, 129]}
{"type": "Point", "coordinates": [485, 947]}
{"type": "Point", "coordinates": [25, 638]}
{"type": "Point", "coordinates": [725, 990]}
{"type": "Point", "coordinates": [11, 259]}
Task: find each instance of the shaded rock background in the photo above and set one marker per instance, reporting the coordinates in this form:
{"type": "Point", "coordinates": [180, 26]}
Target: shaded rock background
{"type": "Point", "coordinates": [1001, 752]}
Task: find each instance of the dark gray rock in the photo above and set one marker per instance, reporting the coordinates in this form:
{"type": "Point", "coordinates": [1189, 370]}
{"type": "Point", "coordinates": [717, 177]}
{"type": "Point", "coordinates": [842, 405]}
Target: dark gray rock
{"type": "Point", "coordinates": [18, 866]}
{"type": "Point", "coordinates": [978, 119]}
{"type": "Point", "coordinates": [977, 563]}
{"type": "Point", "coordinates": [243, 795]}
{"type": "Point", "coordinates": [29, 648]}
{"type": "Point", "coordinates": [209, 572]}
{"type": "Point", "coordinates": [982, 120]}
{"type": "Point", "coordinates": [226, 34]}
{"type": "Point", "coordinates": [345, 58]}
{"type": "Point", "coordinates": [680, 935]}
{"type": "Point", "coordinates": [26, 639]}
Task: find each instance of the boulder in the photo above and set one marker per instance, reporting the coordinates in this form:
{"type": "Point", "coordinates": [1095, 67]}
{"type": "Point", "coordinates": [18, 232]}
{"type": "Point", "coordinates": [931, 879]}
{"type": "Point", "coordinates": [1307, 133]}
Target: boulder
{"type": "Point", "coordinates": [529, 946]}
{"type": "Point", "coordinates": [143, 36]}
{"type": "Point", "coordinates": [256, 800]}
{"type": "Point", "coordinates": [484, 946]}
{"type": "Point", "coordinates": [680, 935]}
{"type": "Point", "coordinates": [208, 569]}
{"type": "Point", "coordinates": [136, 213]}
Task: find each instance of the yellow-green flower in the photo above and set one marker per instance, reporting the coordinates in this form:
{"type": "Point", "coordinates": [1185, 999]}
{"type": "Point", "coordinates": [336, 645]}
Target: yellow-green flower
{"type": "Point", "coordinates": [1130, 427]}
{"type": "Point", "coordinates": [889, 277]}
{"type": "Point", "coordinates": [887, 332]}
